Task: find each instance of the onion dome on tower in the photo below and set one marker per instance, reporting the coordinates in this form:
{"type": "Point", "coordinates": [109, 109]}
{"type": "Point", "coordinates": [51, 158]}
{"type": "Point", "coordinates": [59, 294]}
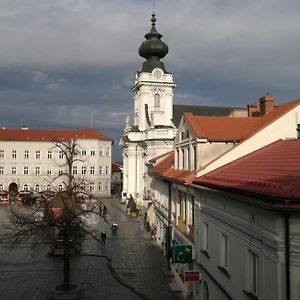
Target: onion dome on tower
{"type": "Point", "coordinates": [153, 49]}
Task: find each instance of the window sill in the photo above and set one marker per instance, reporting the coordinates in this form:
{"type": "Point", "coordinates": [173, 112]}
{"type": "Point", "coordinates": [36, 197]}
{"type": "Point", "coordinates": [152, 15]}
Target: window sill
{"type": "Point", "coordinates": [205, 252]}
{"type": "Point", "coordinates": [251, 295]}
{"type": "Point", "coordinates": [224, 271]}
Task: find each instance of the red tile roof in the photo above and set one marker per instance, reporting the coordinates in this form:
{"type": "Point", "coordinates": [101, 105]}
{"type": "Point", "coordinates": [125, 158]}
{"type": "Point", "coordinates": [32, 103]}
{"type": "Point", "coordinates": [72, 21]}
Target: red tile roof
{"type": "Point", "coordinates": [234, 128]}
{"type": "Point", "coordinates": [50, 135]}
{"type": "Point", "coordinates": [166, 162]}
{"type": "Point", "coordinates": [272, 171]}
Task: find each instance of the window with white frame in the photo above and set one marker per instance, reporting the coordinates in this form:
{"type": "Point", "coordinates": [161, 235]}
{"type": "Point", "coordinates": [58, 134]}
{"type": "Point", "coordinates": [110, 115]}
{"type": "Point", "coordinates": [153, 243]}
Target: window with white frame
{"type": "Point", "coordinates": [100, 170]}
{"type": "Point", "coordinates": [101, 153]}
{"type": "Point", "coordinates": [74, 170]}
{"type": "Point", "coordinates": [204, 246]}
{"type": "Point", "coordinates": [107, 152]}
{"type": "Point", "coordinates": [26, 154]}
{"type": "Point", "coordinates": [37, 188]}
{"type": "Point", "coordinates": [61, 154]}
{"type": "Point", "coordinates": [83, 170]}
{"type": "Point", "coordinates": [253, 273]}
{"type": "Point", "coordinates": [1, 170]}
{"type": "Point", "coordinates": [60, 172]}
{"type": "Point", "coordinates": [106, 186]}
{"type": "Point", "coordinates": [92, 186]}
{"type": "Point", "coordinates": [14, 154]}
{"type": "Point", "coordinates": [93, 152]}
{"type": "Point", "coordinates": [26, 170]}
{"type": "Point", "coordinates": [49, 171]}
{"type": "Point", "coordinates": [1, 187]}
{"type": "Point", "coordinates": [60, 187]}
{"type": "Point", "coordinates": [1, 153]}
{"type": "Point", "coordinates": [48, 187]}
{"type": "Point", "coordinates": [25, 187]}
{"type": "Point", "coordinates": [37, 170]}
{"type": "Point", "coordinates": [107, 170]}
{"type": "Point", "coordinates": [156, 100]}
{"type": "Point", "coordinates": [37, 154]}
{"type": "Point", "coordinates": [13, 170]}
{"type": "Point", "coordinates": [100, 186]}
{"type": "Point", "coordinates": [49, 154]}
{"type": "Point", "coordinates": [92, 170]}
{"type": "Point", "coordinates": [83, 152]}
{"type": "Point", "coordinates": [224, 252]}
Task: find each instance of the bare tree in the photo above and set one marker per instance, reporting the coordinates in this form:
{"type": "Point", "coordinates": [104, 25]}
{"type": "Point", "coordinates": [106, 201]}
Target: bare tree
{"type": "Point", "coordinates": [59, 213]}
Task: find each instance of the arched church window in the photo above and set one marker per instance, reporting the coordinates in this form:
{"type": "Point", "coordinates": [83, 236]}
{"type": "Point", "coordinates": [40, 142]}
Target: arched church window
{"type": "Point", "coordinates": [156, 100]}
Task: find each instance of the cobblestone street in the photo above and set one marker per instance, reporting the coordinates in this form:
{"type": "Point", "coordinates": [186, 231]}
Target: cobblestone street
{"type": "Point", "coordinates": [137, 261]}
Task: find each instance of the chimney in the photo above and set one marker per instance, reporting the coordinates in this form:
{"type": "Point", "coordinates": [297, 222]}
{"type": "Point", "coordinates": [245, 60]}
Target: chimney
{"type": "Point", "coordinates": [266, 104]}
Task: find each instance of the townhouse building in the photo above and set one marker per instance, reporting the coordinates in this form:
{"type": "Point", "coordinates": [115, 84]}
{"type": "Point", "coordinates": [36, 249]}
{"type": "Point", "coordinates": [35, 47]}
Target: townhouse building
{"type": "Point", "coordinates": [29, 160]}
{"type": "Point", "coordinates": [249, 226]}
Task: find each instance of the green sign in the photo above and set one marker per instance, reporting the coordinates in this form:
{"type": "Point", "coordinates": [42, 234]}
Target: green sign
{"type": "Point", "coordinates": [182, 254]}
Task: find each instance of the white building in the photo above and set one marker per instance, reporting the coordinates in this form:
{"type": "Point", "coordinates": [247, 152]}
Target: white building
{"type": "Point", "coordinates": [30, 162]}
{"type": "Point", "coordinates": [248, 237]}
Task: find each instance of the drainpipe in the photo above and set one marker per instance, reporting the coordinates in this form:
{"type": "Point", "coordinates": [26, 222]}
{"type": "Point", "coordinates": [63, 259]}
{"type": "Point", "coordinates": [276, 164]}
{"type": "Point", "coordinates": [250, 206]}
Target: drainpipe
{"type": "Point", "coordinates": [168, 233]}
{"type": "Point", "coordinates": [287, 256]}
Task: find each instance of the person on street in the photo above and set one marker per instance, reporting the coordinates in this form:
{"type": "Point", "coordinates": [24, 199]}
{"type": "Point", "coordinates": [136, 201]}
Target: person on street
{"type": "Point", "coordinates": [103, 237]}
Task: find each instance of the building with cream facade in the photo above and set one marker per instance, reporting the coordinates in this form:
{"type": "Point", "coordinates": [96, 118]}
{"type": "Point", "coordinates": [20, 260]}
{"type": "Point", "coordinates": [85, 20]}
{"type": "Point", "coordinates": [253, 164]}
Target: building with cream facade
{"type": "Point", "coordinates": [29, 160]}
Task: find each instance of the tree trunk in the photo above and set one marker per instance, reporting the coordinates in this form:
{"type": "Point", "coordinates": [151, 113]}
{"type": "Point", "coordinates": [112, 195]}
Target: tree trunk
{"type": "Point", "coordinates": [66, 285]}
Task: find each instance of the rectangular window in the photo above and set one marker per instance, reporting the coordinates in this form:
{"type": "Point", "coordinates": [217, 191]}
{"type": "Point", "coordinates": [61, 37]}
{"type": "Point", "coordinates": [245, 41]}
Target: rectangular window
{"type": "Point", "coordinates": [107, 152]}
{"type": "Point", "coordinates": [83, 152]}
{"type": "Point", "coordinates": [26, 154]}
{"type": "Point", "coordinates": [1, 170]}
{"type": "Point", "coordinates": [254, 272]}
{"type": "Point", "coordinates": [92, 185]}
{"type": "Point", "coordinates": [74, 170]}
{"type": "Point", "coordinates": [49, 154]}
{"type": "Point", "coordinates": [14, 154]}
{"type": "Point", "coordinates": [37, 154]}
{"type": "Point", "coordinates": [224, 251]}
{"type": "Point", "coordinates": [92, 170]}
{"type": "Point", "coordinates": [106, 186]}
{"type": "Point", "coordinates": [204, 247]}
{"type": "Point", "coordinates": [93, 152]}
{"type": "Point", "coordinates": [100, 170]}
{"type": "Point", "coordinates": [14, 170]}
{"type": "Point", "coordinates": [1, 153]}
{"type": "Point", "coordinates": [107, 170]}
{"type": "Point", "coordinates": [60, 154]}
{"type": "Point", "coordinates": [101, 152]}
{"type": "Point", "coordinates": [26, 171]}
{"type": "Point", "coordinates": [100, 186]}
{"type": "Point", "coordinates": [60, 172]}
{"type": "Point", "coordinates": [83, 170]}
{"type": "Point", "coordinates": [37, 170]}
{"type": "Point", "coordinates": [49, 172]}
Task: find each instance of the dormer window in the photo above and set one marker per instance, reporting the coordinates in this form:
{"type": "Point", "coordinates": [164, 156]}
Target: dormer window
{"type": "Point", "coordinates": [156, 100]}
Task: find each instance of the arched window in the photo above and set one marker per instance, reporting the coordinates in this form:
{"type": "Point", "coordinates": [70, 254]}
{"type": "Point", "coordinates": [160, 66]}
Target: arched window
{"type": "Point", "coordinates": [25, 187]}
{"type": "Point", "coordinates": [156, 100]}
{"type": "Point", "coordinates": [48, 188]}
{"type": "Point", "coordinates": [60, 187]}
{"type": "Point", "coordinates": [36, 188]}
{"type": "Point", "coordinates": [1, 187]}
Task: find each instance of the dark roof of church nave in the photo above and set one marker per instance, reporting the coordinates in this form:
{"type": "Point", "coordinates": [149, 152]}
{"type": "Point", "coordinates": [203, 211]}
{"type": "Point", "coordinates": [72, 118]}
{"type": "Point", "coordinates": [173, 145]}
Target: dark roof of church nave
{"type": "Point", "coordinates": [200, 110]}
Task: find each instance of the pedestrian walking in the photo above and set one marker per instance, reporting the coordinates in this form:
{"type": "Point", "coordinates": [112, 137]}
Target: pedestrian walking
{"type": "Point", "coordinates": [103, 237]}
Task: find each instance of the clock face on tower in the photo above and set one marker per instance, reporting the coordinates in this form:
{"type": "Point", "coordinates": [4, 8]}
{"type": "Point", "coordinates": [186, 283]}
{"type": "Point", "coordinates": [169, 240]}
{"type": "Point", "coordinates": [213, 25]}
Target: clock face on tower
{"type": "Point", "coordinates": [157, 73]}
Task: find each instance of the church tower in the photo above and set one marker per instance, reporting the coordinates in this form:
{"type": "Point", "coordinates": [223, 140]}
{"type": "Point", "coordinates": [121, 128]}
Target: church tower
{"type": "Point", "coordinates": [152, 131]}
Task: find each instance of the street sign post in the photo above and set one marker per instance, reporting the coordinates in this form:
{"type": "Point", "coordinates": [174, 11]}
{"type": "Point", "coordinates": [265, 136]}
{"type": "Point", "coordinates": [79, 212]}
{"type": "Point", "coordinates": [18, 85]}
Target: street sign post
{"type": "Point", "coordinates": [182, 254]}
{"type": "Point", "coordinates": [192, 276]}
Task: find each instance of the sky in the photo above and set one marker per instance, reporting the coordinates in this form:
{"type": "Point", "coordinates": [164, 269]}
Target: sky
{"type": "Point", "coordinates": [70, 64]}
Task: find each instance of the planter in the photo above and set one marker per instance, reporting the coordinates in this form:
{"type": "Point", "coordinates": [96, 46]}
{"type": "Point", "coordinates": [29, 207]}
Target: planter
{"type": "Point", "coordinates": [76, 293]}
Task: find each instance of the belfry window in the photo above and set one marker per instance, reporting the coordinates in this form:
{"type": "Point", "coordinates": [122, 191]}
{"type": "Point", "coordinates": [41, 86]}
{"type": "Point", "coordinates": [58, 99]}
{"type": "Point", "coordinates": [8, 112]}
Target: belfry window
{"type": "Point", "coordinates": [156, 100]}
